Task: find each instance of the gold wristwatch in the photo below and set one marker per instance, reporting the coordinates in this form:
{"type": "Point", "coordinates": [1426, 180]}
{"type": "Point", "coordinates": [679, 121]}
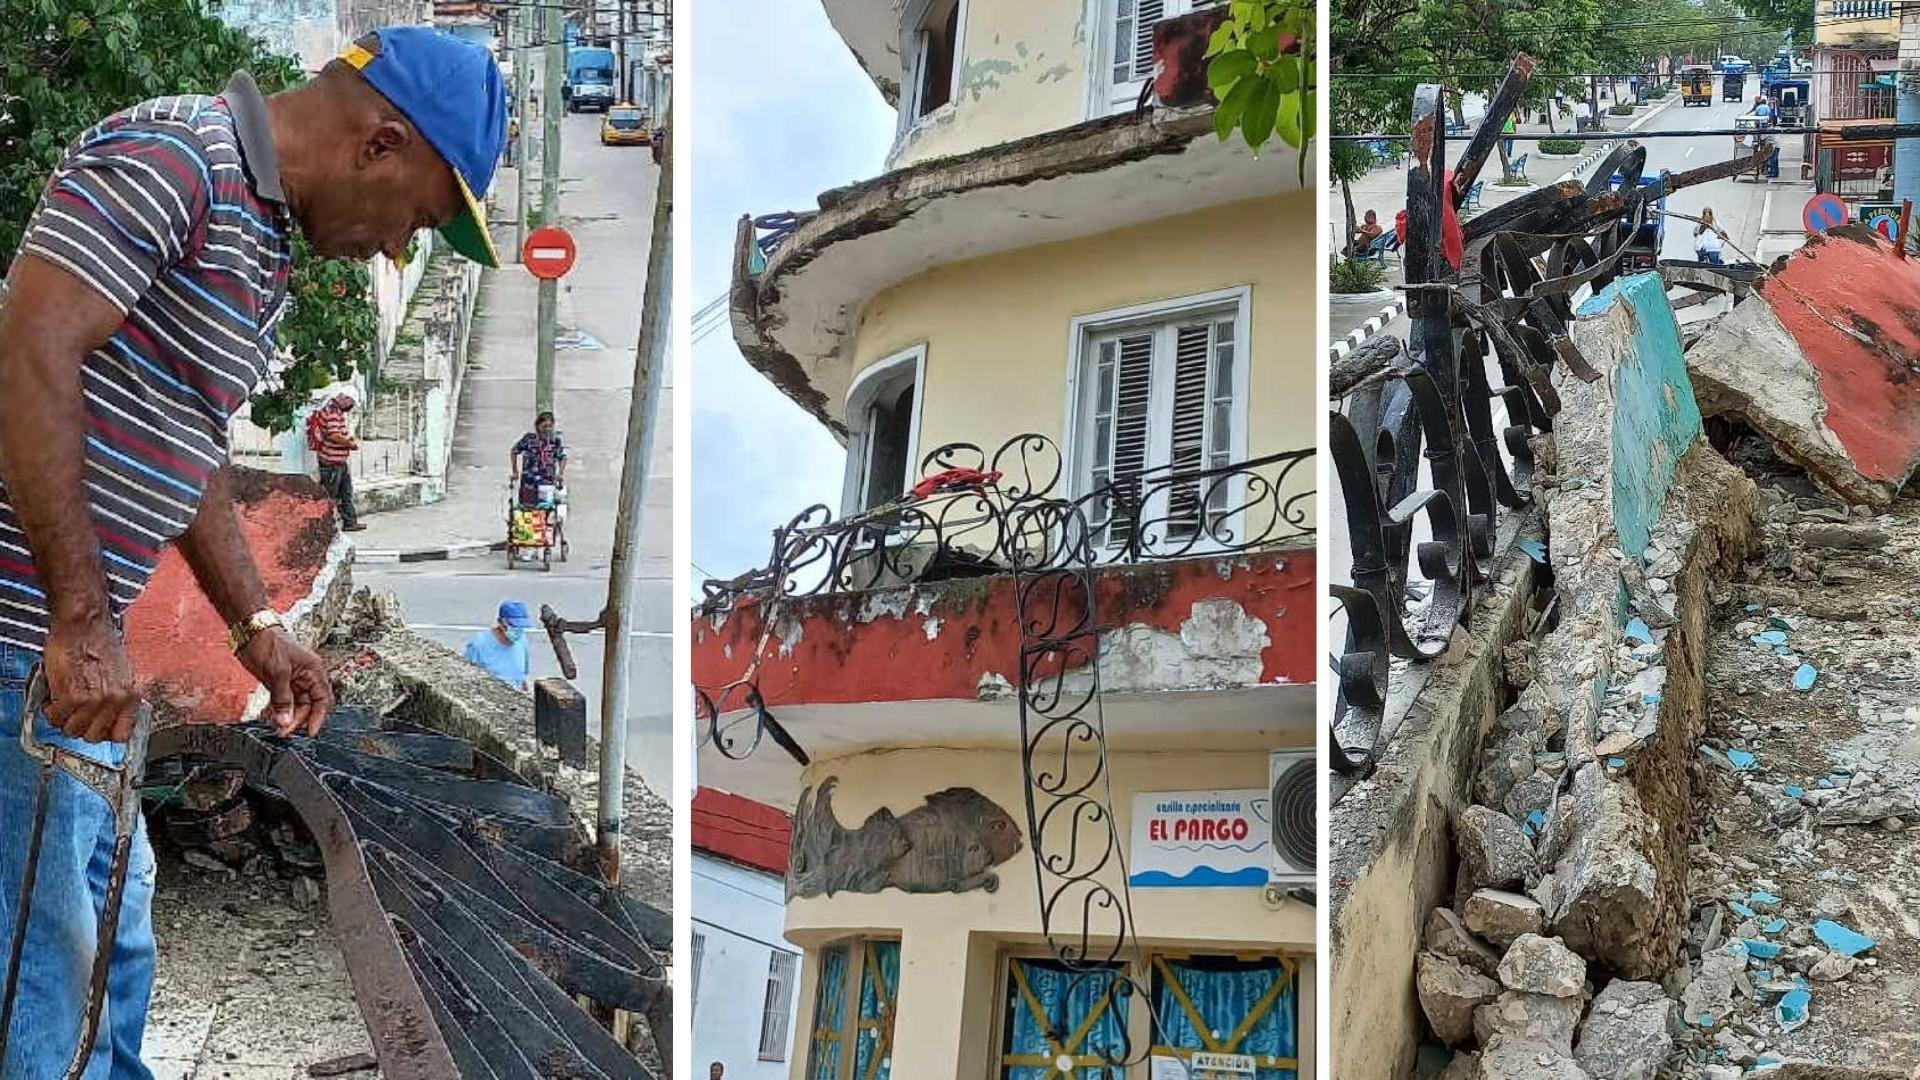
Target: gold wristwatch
{"type": "Point", "coordinates": [242, 633]}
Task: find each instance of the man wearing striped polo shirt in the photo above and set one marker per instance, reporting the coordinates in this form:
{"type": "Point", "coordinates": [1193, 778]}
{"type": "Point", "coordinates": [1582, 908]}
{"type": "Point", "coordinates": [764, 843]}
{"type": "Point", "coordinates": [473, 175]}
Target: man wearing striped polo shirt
{"type": "Point", "coordinates": [140, 316]}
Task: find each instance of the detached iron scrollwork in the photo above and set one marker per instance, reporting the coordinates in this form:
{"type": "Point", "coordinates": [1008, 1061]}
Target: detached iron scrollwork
{"type": "Point", "coordinates": [1416, 449]}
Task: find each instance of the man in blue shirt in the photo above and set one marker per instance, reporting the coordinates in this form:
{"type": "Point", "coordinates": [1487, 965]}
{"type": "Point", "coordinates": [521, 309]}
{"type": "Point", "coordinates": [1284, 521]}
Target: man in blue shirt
{"type": "Point", "coordinates": [502, 647]}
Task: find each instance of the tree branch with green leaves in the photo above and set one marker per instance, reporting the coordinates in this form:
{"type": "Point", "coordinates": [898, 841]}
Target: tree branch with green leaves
{"type": "Point", "coordinates": [1260, 68]}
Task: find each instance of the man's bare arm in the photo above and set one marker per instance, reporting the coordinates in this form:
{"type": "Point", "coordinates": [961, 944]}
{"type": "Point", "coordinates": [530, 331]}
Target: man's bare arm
{"type": "Point", "coordinates": [51, 322]}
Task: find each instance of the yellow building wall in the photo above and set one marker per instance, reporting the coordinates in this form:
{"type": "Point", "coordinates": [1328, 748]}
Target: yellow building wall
{"type": "Point", "coordinates": [1023, 71]}
{"type": "Point", "coordinates": [1843, 24]}
{"type": "Point", "coordinates": [951, 945]}
{"type": "Point", "coordinates": [998, 328]}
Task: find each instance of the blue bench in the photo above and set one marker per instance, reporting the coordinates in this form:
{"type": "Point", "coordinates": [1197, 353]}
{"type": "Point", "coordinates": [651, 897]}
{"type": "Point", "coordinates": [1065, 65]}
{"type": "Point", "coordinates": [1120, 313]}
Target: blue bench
{"type": "Point", "coordinates": [1381, 246]}
{"type": "Point", "coordinates": [1473, 196]}
{"type": "Point", "coordinates": [1518, 166]}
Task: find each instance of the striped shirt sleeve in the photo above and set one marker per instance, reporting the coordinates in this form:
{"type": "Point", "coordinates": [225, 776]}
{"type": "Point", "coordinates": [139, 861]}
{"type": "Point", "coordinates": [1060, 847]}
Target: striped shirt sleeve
{"type": "Point", "coordinates": [129, 201]}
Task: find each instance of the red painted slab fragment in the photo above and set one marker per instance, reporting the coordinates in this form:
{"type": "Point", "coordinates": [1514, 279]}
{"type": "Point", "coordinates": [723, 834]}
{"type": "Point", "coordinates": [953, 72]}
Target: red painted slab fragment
{"type": "Point", "coordinates": [179, 643]}
{"type": "Point", "coordinates": [741, 830]}
{"type": "Point", "coordinates": [1851, 277]}
{"type": "Point", "coordinates": [862, 648]}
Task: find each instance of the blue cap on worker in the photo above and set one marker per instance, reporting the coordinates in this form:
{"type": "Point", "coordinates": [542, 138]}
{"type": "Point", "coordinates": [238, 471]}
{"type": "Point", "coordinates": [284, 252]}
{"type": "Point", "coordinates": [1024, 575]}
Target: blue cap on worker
{"type": "Point", "coordinates": [514, 613]}
{"type": "Point", "coordinates": [451, 91]}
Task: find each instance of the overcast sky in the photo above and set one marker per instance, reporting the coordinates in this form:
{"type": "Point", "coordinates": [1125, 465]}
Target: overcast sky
{"type": "Point", "coordinates": [782, 112]}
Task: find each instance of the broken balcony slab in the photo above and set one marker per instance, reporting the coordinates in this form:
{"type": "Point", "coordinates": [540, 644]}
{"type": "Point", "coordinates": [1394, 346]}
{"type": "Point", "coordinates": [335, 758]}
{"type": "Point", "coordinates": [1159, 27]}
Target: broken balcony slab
{"type": "Point", "coordinates": [1820, 361]}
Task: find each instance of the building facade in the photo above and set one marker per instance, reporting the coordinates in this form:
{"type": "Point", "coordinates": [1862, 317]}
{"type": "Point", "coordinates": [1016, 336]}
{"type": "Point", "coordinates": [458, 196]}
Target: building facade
{"type": "Point", "coordinates": [1039, 691]}
{"type": "Point", "coordinates": [739, 859]}
{"type": "Point", "coordinates": [1855, 58]}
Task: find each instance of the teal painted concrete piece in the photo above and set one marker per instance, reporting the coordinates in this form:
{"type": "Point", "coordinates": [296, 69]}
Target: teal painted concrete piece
{"type": "Point", "coordinates": [1655, 417]}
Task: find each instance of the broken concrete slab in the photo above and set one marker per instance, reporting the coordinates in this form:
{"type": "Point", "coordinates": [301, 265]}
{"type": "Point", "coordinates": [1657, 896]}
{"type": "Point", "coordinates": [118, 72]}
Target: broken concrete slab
{"type": "Point", "coordinates": [1543, 965]}
{"type": "Point", "coordinates": [1502, 917]}
{"type": "Point", "coordinates": [1827, 382]}
{"type": "Point", "coordinates": [1606, 899]}
{"type": "Point", "coordinates": [1494, 853]}
{"type": "Point", "coordinates": [1708, 999]}
{"type": "Point", "coordinates": [1447, 935]}
{"type": "Point", "coordinates": [1512, 1059]}
{"type": "Point", "coordinates": [1628, 1034]}
{"type": "Point", "coordinates": [1530, 1018]}
{"type": "Point", "coordinates": [1449, 993]}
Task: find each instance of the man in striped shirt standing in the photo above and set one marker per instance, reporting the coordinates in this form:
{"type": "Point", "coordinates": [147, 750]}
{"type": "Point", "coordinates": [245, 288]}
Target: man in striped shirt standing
{"type": "Point", "coordinates": [333, 444]}
{"type": "Point", "coordinates": [140, 315]}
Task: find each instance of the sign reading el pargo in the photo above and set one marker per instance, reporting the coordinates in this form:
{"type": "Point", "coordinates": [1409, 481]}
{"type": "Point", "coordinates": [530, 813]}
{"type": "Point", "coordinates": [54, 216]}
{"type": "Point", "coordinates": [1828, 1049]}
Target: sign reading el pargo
{"type": "Point", "coordinates": [1201, 839]}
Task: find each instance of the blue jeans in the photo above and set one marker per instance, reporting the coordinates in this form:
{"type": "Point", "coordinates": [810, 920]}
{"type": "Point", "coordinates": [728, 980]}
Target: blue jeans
{"type": "Point", "coordinates": [76, 853]}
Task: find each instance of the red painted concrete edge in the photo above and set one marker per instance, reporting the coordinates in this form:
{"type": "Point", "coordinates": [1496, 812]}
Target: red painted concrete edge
{"type": "Point", "coordinates": [741, 830]}
{"type": "Point", "coordinates": [1851, 276]}
{"type": "Point", "coordinates": [178, 643]}
{"type": "Point", "coordinates": [938, 641]}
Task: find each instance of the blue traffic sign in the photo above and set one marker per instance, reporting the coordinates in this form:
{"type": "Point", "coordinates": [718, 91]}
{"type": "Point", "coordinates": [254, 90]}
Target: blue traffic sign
{"type": "Point", "coordinates": [1824, 212]}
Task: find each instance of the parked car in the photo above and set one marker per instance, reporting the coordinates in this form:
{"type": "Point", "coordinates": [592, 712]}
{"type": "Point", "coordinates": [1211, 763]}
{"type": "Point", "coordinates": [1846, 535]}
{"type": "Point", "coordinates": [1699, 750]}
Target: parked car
{"type": "Point", "coordinates": [625, 125]}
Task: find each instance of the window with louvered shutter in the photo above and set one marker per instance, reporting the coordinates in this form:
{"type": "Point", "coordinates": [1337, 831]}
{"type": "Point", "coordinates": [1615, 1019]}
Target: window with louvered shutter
{"type": "Point", "coordinates": [1160, 418]}
{"type": "Point", "coordinates": [1133, 23]}
{"type": "Point", "coordinates": [782, 968]}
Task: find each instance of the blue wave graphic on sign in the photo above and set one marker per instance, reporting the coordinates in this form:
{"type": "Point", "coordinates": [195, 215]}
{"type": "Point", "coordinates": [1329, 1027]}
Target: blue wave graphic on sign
{"type": "Point", "coordinates": [1200, 877]}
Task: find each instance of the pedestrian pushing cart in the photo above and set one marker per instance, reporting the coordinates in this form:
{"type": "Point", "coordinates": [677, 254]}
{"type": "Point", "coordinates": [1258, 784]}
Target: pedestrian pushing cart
{"type": "Point", "coordinates": [536, 530]}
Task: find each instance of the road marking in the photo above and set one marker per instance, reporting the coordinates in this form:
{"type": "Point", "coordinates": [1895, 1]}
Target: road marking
{"type": "Point", "coordinates": [1766, 215]}
{"type": "Point", "coordinates": [1689, 152]}
{"type": "Point", "coordinates": [489, 626]}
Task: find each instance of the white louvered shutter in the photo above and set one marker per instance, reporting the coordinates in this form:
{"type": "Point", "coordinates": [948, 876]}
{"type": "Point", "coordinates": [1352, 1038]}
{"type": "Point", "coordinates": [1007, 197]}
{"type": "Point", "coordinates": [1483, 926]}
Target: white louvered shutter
{"type": "Point", "coordinates": [1122, 425]}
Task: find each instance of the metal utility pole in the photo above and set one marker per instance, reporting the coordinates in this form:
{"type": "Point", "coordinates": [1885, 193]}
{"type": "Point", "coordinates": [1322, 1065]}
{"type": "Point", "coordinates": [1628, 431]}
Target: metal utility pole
{"type": "Point", "coordinates": [550, 112]}
{"type": "Point", "coordinates": [649, 366]}
{"type": "Point", "coordinates": [522, 31]}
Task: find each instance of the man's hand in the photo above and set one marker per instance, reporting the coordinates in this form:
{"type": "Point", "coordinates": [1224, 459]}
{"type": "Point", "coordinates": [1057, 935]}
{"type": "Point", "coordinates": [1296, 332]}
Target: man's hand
{"type": "Point", "coordinates": [295, 678]}
{"type": "Point", "coordinates": [89, 681]}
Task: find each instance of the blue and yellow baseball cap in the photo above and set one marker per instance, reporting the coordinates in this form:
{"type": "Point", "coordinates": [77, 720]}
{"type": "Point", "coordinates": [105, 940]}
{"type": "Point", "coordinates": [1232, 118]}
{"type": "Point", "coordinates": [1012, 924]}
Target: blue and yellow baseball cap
{"type": "Point", "coordinates": [451, 91]}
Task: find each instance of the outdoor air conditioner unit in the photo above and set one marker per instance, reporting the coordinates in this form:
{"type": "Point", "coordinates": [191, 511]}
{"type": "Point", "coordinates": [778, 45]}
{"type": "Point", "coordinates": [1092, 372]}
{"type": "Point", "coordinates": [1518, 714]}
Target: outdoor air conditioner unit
{"type": "Point", "coordinates": [1294, 779]}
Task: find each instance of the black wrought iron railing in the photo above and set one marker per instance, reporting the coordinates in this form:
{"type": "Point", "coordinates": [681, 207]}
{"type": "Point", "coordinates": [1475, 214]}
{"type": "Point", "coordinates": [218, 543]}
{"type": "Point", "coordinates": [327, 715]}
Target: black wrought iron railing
{"type": "Point", "coordinates": [1423, 466]}
{"type": "Point", "coordinates": [1013, 511]}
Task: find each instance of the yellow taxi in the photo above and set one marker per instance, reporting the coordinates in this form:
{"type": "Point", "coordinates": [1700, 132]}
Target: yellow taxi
{"type": "Point", "coordinates": [625, 125]}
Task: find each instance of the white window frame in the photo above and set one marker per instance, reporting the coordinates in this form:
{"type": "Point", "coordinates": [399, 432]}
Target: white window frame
{"type": "Point", "coordinates": [866, 386]}
{"type": "Point", "coordinates": [1104, 96]}
{"type": "Point", "coordinates": [913, 54]}
{"type": "Point", "coordinates": [699, 954]}
{"type": "Point", "coordinates": [782, 1016]}
{"type": "Point", "coordinates": [1085, 329]}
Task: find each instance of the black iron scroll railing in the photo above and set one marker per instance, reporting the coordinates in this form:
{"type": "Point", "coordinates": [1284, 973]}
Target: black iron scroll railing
{"type": "Point", "coordinates": [1429, 438]}
{"type": "Point", "coordinates": [1013, 511]}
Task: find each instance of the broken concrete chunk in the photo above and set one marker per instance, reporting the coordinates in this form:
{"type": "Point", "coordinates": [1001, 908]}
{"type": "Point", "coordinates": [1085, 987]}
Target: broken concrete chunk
{"type": "Point", "coordinates": [1449, 993]}
{"type": "Point", "coordinates": [1534, 792]}
{"type": "Point", "coordinates": [1543, 965]}
{"type": "Point", "coordinates": [1509, 759]}
{"type": "Point", "coordinates": [1513, 1059]}
{"type": "Point", "coordinates": [1448, 936]}
{"type": "Point", "coordinates": [1606, 901]}
{"type": "Point", "coordinates": [1708, 999]}
{"type": "Point", "coordinates": [1828, 389]}
{"type": "Point", "coordinates": [1494, 853]}
{"type": "Point", "coordinates": [1843, 537]}
{"type": "Point", "coordinates": [1629, 1032]}
{"type": "Point", "coordinates": [1531, 1018]}
{"type": "Point", "coordinates": [1832, 967]}
{"type": "Point", "coordinates": [1501, 917]}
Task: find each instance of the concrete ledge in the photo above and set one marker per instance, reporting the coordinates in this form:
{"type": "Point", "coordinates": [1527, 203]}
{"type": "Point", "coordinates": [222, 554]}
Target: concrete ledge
{"type": "Point", "coordinates": [459, 549]}
{"type": "Point", "coordinates": [1390, 858]}
{"type": "Point", "coordinates": [1360, 334]}
{"type": "Point", "coordinates": [384, 662]}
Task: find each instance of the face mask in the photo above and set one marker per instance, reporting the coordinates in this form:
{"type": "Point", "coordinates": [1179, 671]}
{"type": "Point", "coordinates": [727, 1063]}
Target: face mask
{"type": "Point", "coordinates": [515, 633]}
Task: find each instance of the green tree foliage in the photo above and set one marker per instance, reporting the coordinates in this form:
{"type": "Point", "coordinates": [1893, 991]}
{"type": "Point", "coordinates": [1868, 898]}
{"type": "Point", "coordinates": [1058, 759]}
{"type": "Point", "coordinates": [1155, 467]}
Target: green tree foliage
{"type": "Point", "coordinates": [65, 64]}
{"type": "Point", "coordinates": [1260, 66]}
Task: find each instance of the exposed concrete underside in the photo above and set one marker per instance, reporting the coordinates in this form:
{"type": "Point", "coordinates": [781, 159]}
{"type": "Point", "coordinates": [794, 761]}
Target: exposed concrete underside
{"type": "Point", "coordinates": [796, 321]}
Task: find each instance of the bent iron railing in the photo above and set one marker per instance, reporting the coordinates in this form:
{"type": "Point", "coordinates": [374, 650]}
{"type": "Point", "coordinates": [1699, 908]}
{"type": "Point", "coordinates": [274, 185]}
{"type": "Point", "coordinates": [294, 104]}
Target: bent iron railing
{"type": "Point", "coordinates": [1417, 442]}
{"type": "Point", "coordinates": [1013, 512]}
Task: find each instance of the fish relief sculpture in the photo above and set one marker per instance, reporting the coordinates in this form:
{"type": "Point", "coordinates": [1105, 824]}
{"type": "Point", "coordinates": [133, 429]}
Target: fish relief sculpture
{"type": "Point", "coordinates": [950, 844]}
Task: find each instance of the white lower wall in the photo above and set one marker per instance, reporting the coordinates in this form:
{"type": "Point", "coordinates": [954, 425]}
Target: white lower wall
{"type": "Point", "coordinates": [738, 915]}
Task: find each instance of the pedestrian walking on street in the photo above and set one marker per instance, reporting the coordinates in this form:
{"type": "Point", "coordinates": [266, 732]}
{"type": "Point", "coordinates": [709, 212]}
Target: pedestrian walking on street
{"type": "Point", "coordinates": [331, 439]}
{"type": "Point", "coordinates": [502, 648]}
{"type": "Point", "coordinates": [141, 310]}
{"type": "Point", "coordinates": [1708, 240]}
{"type": "Point", "coordinates": [539, 460]}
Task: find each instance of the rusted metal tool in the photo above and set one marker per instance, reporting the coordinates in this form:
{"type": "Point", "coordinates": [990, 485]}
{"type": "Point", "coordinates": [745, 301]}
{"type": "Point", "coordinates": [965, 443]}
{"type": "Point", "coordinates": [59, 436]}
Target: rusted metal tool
{"type": "Point", "coordinates": [120, 788]}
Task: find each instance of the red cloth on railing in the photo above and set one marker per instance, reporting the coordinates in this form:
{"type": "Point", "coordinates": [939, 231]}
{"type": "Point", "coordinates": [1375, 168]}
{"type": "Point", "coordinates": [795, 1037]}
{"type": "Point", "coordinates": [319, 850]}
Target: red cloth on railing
{"type": "Point", "coordinates": [954, 480]}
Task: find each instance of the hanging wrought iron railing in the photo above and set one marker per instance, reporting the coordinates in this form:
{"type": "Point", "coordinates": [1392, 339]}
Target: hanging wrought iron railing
{"type": "Point", "coordinates": [1423, 466]}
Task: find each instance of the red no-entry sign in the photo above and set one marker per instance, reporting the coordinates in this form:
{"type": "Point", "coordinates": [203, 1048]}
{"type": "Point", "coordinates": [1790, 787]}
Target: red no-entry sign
{"type": "Point", "coordinates": [548, 253]}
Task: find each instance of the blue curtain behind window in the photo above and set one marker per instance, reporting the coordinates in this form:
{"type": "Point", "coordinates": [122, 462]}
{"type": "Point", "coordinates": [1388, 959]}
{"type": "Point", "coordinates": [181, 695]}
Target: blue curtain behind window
{"type": "Point", "coordinates": [876, 1009]}
{"type": "Point", "coordinates": [830, 1015]}
{"type": "Point", "coordinates": [1066, 999]}
{"type": "Point", "coordinates": [1225, 992]}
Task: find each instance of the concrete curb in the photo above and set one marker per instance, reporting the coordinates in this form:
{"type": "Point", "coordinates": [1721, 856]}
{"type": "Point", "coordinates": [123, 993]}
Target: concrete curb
{"type": "Point", "coordinates": [1366, 330]}
{"type": "Point", "coordinates": [1606, 148]}
{"type": "Point", "coordinates": [460, 549]}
